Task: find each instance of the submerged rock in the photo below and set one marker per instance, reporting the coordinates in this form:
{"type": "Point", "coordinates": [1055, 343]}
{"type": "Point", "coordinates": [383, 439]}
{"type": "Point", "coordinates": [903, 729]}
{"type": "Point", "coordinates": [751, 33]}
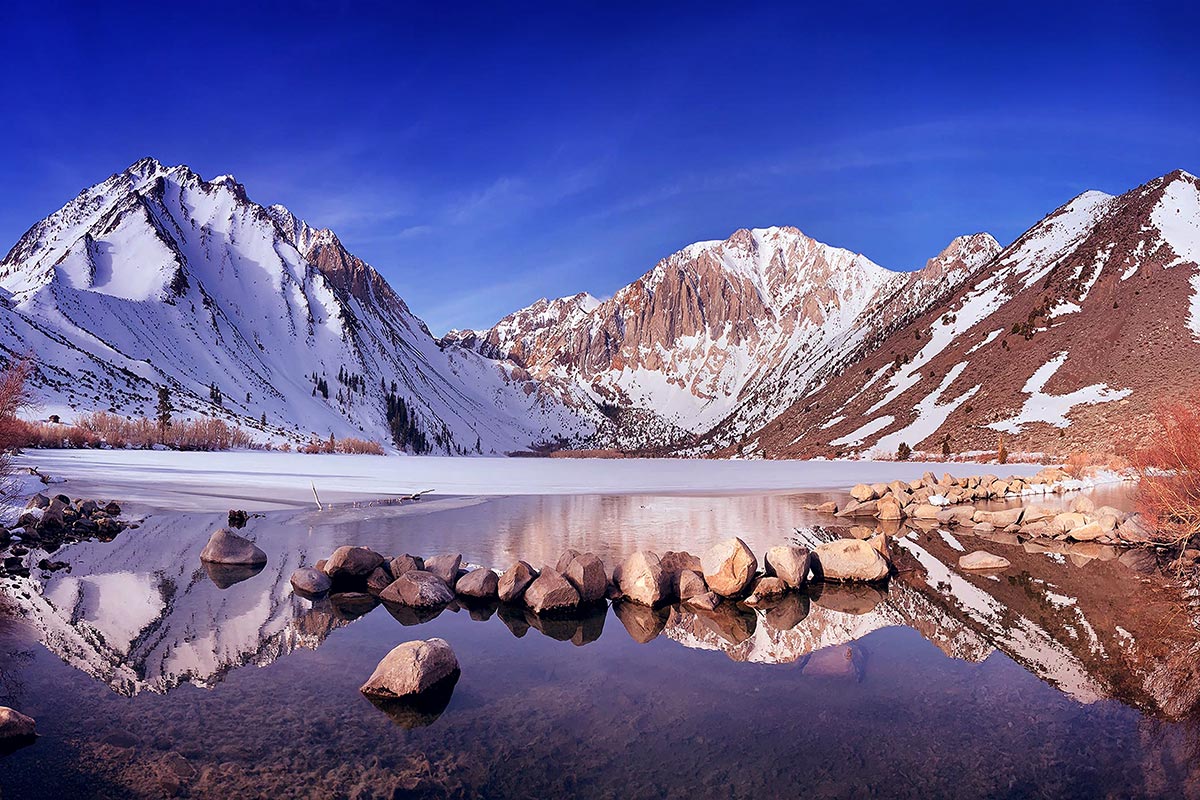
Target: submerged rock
{"type": "Point", "coordinates": [981, 559]}
{"type": "Point", "coordinates": [729, 567]}
{"type": "Point", "coordinates": [311, 582]}
{"type": "Point", "coordinates": [226, 547]}
{"type": "Point", "coordinates": [16, 729]}
{"type": "Point", "coordinates": [411, 668]}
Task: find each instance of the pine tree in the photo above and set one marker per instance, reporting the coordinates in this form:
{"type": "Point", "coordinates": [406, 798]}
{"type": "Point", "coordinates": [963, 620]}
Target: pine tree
{"type": "Point", "coordinates": [903, 451]}
{"type": "Point", "coordinates": [163, 412]}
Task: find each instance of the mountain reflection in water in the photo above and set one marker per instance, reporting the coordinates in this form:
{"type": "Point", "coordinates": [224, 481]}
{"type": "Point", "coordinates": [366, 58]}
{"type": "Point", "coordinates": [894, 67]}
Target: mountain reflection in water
{"type": "Point", "coordinates": [143, 616]}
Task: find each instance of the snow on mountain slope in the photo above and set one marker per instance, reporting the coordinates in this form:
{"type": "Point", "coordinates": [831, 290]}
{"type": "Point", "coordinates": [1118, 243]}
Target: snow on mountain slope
{"type": "Point", "coordinates": [158, 277]}
{"type": "Point", "coordinates": [721, 336]}
{"type": "Point", "coordinates": [1068, 339]}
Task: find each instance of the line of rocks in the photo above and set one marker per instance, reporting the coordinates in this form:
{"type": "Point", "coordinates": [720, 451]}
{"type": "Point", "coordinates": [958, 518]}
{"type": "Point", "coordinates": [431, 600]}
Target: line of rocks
{"type": "Point", "coordinates": [949, 501]}
{"type": "Point", "coordinates": [49, 523]}
{"type": "Point", "coordinates": [728, 571]}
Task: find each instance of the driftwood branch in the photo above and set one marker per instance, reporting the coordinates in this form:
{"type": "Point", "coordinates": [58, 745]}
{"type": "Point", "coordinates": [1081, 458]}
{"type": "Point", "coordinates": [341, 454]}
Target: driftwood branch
{"type": "Point", "coordinates": [318, 499]}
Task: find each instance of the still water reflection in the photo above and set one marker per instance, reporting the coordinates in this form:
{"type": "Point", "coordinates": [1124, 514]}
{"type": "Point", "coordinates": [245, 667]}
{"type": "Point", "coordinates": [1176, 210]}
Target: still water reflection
{"type": "Point", "coordinates": [1067, 675]}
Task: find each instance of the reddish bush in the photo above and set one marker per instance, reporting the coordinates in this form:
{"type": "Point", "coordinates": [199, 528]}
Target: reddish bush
{"type": "Point", "coordinates": [14, 398]}
{"type": "Point", "coordinates": [1168, 494]}
{"type": "Point", "coordinates": [359, 446]}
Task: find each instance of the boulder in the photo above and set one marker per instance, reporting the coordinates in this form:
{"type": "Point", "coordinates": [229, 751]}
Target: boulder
{"type": "Point", "coordinates": [925, 511]}
{"type": "Point", "coordinates": [862, 493]}
{"type": "Point", "coordinates": [352, 562]}
{"type": "Point", "coordinates": [789, 563]}
{"type": "Point", "coordinates": [549, 592]}
{"type": "Point", "coordinates": [880, 542]}
{"type": "Point", "coordinates": [15, 727]}
{"type": "Point", "coordinates": [704, 602]}
{"type": "Point", "coordinates": [418, 589]}
{"type": "Point", "coordinates": [565, 560]}
{"type": "Point", "coordinates": [691, 584]}
{"type": "Point", "coordinates": [482, 584]}
{"type": "Point", "coordinates": [39, 500]}
{"type": "Point", "coordinates": [1088, 532]}
{"type": "Point", "coordinates": [378, 580]}
{"type": "Point", "coordinates": [1083, 505]}
{"type": "Point", "coordinates": [868, 509]}
{"type": "Point", "coordinates": [226, 547]}
{"type": "Point", "coordinates": [1068, 521]}
{"type": "Point", "coordinates": [512, 584]}
{"type": "Point", "coordinates": [586, 573]}
{"type": "Point", "coordinates": [641, 579]}
{"type": "Point", "coordinates": [673, 563]}
{"type": "Point", "coordinates": [311, 582]}
{"type": "Point", "coordinates": [889, 508]}
{"type": "Point", "coordinates": [1000, 519]}
{"type": "Point", "coordinates": [1038, 513]}
{"type": "Point", "coordinates": [445, 567]}
{"type": "Point", "coordinates": [956, 515]}
{"type": "Point", "coordinates": [766, 588]}
{"type": "Point", "coordinates": [981, 559]}
{"type": "Point", "coordinates": [849, 560]}
{"type": "Point", "coordinates": [827, 508]}
{"type": "Point", "coordinates": [729, 567]}
{"type": "Point", "coordinates": [402, 564]}
{"type": "Point", "coordinates": [412, 668]}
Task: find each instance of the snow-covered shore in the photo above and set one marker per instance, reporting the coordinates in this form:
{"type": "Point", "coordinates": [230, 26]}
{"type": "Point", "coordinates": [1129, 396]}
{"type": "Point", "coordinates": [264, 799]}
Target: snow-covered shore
{"type": "Point", "coordinates": [266, 480]}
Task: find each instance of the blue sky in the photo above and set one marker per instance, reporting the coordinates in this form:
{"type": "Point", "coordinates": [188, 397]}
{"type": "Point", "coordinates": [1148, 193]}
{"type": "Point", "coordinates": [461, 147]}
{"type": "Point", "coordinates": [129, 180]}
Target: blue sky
{"type": "Point", "coordinates": [482, 156]}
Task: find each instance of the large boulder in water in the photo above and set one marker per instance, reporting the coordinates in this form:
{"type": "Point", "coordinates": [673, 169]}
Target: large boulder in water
{"type": "Point", "coordinates": [549, 592]}
{"type": "Point", "coordinates": [226, 547]}
{"type": "Point", "coordinates": [586, 573]}
{"type": "Point", "coordinates": [849, 560]}
{"type": "Point", "coordinates": [378, 580]}
{"type": "Point", "coordinates": [789, 563]}
{"type": "Point", "coordinates": [418, 589]}
{"type": "Point", "coordinates": [411, 668]}
{"type": "Point", "coordinates": [310, 582]}
{"type": "Point", "coordinates": [402, 564]}
{"type": "Point", "coordinates": [729, 567]}
{"type": "Point", "coordinates": [480, 584]}
{"type": "Point", "coordinates": [641, 579]}
{"type": "Point", "coordinates": [352, 562]}
{"type": "Point", "coordinates": [16, 730]}
{"type": "Point", "coordinates": [515, 581]}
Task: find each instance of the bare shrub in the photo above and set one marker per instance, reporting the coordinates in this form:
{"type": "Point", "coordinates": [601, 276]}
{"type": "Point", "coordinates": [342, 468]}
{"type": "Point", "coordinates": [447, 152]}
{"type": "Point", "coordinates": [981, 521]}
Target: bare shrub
{"type": "Point", "coordinates": [359, 446]}
{"type": "Point", "coordinates": [1168, 493]}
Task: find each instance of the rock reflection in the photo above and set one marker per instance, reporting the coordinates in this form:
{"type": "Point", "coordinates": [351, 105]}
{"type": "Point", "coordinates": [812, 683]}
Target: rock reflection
{"type": "Point", "coordinates": [226, 575]}
{"type": "Point", "coordinates": [420, 710]}
{"type": "Point", "coordinates": [581, 628]}
{"type": "Point", "coordinates": [847, 598]}
{"type": "Point", "coordinates": [642, 623]}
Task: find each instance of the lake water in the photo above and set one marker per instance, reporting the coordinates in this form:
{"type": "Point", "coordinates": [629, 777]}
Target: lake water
{"type": "Point", "coordinates": [1068, 675]}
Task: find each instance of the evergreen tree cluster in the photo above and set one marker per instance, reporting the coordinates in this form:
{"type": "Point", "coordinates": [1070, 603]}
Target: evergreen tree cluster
{"type": "Point", "coordinates": [403, 425]}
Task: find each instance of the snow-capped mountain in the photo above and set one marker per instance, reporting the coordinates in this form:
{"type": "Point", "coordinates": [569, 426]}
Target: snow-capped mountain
{"type": "Point", "coordinates": [158, 277]}
{"type": "Point", "coordinates": [1068, 339]}
{"type": "Point", "coordinates": [719, 337]}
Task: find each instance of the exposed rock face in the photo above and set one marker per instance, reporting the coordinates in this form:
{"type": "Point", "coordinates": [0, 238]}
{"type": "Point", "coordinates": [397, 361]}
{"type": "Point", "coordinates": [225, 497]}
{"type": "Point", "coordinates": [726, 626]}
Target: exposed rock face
{"type": "Point", "coordinates": [418, 589]}
{"type": "Point", "coordinates": [478, 583]}
{"type": "Point", "coordinates": [352, 562]}
{"type": "Point", "coordinates": [641, 579]}
{"type": "Point", "coordinates": [766, 588]}
{"type": "Point", "coordinates": [412, 668]}
{"type": "Point", "coordinates": [789, 563]}
{"type": "Point", "coordinates": [445, 567]}
{"type": "Point", "coordinates": [551, 592]}
{"type": "Point", "coordinates": [849, 560]}
{"type": "Point", "coordinates": [981, 559]}
{"type": "Point", "coordinates": [226, 547]}
{"type": "Point", "coordinates": [378, 580]}
{"type": "Point", "coordinates": [586, 573]}
{"type": "Point", "coordinates": [729, 567]}
{"type": "Point", "coordinates": [514, 581]}
{"type": "Point", "coordinates": [310, 582]}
